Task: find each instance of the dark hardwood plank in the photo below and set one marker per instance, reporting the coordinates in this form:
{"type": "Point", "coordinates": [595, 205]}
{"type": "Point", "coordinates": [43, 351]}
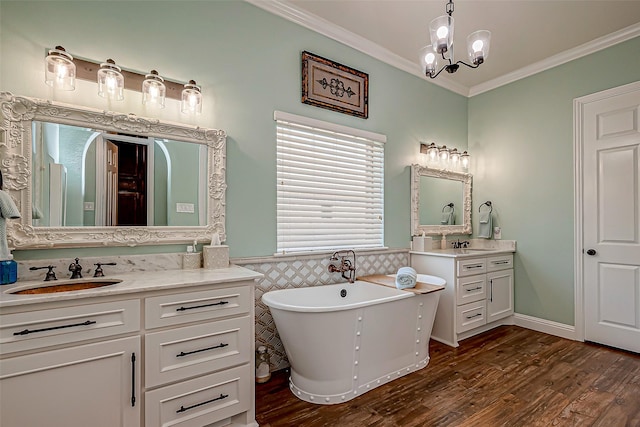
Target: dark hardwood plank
{"type": "Point", "coordinates": [508, 376]}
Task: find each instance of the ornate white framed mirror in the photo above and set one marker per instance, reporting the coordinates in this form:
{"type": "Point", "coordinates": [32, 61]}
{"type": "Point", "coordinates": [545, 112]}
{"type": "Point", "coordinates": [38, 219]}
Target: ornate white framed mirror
{"type": "Point", "coordinates": [440, 201]}
{"type": "Point", "coordinates": [83, 177]}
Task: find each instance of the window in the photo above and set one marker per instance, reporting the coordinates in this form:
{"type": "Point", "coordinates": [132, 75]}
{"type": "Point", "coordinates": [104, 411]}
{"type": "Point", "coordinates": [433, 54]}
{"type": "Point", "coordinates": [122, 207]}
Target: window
{"type": "Point", "coordinates": [330, 182]}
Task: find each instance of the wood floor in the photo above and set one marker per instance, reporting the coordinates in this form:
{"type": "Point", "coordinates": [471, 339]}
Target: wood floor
{"type": "Point", "coordinates": [509, 376]}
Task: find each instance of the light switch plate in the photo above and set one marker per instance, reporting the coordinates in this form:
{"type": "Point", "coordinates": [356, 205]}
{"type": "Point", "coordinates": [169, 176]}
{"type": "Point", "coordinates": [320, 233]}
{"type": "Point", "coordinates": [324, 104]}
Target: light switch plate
{"type": "Point", "coordinates": [185, 207]}
{"type": "Point", "coordinates": [497, 233]}
{"type": "Point", "coordinates": [89, 206]}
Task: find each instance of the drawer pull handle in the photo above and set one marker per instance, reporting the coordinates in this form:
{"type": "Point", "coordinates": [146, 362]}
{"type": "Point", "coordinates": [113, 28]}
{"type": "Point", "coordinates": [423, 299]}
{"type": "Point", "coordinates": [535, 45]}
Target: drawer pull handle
{"type": "Point", "coordinates": [27, 331]}
{"type": "Point", "coordinates": [183, 409]}
{"type": "Point", "coordinates": [469, 267]}
{"type": "Point", "coordinates": [501, 262]}
{"type": "Point", "coordinates": [474, 289]}
{"type": "Point", "coordinates": [182, 353]}
{"type": "Point", "coordinates": [201, 306]}
{"type": "Point", "coordinates": [475, 315]}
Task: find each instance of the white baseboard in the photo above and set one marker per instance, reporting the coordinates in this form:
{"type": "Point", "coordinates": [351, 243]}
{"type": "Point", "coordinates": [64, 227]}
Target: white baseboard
{"type": "Point", "coordinates": [546, 326]}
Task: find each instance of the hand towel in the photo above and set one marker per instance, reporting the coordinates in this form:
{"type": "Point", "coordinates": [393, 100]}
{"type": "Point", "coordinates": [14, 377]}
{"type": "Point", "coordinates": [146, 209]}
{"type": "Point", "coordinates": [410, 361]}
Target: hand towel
{"type": "Point", "coordinates": [406, 277]}
{"type": "Point", "coordinates": [485, 229]}
{"type": "Point", "coordinates": [447, 218]}
{"type": "Point", "coordinates": [8, 210]}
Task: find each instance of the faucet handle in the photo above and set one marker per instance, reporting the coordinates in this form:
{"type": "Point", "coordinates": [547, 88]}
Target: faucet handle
{"type": "Point", "coordinates": [51, 275]}
{"type": "Point", "coordinates": [99, 272]}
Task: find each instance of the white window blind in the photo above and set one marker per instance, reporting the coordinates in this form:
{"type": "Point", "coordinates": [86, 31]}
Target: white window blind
{"type": "Point", "coordinates": [330, 182]}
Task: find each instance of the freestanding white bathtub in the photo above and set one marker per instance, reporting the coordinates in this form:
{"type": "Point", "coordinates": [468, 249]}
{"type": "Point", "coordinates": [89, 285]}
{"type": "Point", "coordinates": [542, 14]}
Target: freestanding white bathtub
{"type": "Point", "coordinates": [340, 347]}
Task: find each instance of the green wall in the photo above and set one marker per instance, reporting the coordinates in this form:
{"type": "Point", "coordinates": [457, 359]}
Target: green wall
{"type": "Point", "coordinates": [521, 140]}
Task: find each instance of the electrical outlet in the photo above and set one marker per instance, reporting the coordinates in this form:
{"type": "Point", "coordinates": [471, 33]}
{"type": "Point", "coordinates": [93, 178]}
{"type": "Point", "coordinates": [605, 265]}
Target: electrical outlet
{"type": "Point", "coordinates": [497, 233]}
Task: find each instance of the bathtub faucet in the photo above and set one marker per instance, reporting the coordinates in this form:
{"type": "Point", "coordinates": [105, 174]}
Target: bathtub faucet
{"type": "Point", "coordinates": [346, 267]}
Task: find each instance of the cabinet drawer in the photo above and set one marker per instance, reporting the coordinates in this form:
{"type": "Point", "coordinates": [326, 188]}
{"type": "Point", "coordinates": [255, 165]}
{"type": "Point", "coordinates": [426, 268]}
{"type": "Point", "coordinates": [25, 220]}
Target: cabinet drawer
{"type": "Point", "coordinates": [503, 262]}
{"type": "Point", "coordinates": [191, 351]}
{"type": "Point", "coordinates": [472, 288]}
{"type": "Point", "coordinates": [469, 267]}
{"type": "Point", "coordinates": [37, 329]}
{"type": "Point", "coordinates": [201, 401]}
{"type": "Point", "coordinates": [169, 310]}
{"type": "Point", "coordinates": [471, 316]}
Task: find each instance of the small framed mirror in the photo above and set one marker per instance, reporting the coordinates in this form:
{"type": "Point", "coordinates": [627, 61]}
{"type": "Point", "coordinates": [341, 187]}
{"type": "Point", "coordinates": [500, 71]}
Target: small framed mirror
{"type": "Point", "coordinates": [84, 177]}
{"type": "Point", "coordinates": [440, 201]}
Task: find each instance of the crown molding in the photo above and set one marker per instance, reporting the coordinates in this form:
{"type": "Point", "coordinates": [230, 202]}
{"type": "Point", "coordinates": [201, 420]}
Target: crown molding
{"type": "Point", "coordinates": [339, 34]}
{"type": "Point", "coordinates": [588, 48]}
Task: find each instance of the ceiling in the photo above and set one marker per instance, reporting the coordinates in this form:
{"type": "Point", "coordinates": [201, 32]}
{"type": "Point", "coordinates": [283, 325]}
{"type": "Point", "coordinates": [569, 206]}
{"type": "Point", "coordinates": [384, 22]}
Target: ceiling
{"type": "Point", "coordinates": [528, 36]}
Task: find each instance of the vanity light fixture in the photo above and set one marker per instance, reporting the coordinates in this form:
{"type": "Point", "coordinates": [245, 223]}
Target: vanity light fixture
{"type": "Point", "coordinates": [191, 98]}
{"type": "Point", "coordinates": [153, 90]}
{"type": "Point", "coordinates": [441, 34]}
{"type": "Point", "coordinates": [60, 71]}
{"type": "Point", "coordinates": [110, 81]}
{"type": "Point", "coordinates": [444, 158]}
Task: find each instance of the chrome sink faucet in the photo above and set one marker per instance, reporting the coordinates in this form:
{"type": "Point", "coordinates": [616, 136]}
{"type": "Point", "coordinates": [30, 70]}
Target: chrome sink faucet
{"type": "Point", "coordinates": [76, 270]}
{"type": "Point", "coordinates": [346, 267]}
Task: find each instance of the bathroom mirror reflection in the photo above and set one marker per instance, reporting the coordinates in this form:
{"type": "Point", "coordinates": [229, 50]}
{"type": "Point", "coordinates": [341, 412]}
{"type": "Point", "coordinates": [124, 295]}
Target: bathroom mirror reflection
{"type": "Point", "coordinates": [440, 201]}
{"type": "Point", "coordinates": [84, 177]}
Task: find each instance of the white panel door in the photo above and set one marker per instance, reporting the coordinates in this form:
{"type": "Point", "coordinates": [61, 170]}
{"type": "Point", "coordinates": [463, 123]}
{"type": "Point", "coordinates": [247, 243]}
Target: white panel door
{"type": "Point", "coordinates": [611, 215]}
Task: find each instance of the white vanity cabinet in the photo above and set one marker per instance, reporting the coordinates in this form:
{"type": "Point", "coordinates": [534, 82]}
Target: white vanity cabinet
{"type": "Point", "coordinates": [156, 356]}
{"type": "Point", "coordinates": [478, 294]}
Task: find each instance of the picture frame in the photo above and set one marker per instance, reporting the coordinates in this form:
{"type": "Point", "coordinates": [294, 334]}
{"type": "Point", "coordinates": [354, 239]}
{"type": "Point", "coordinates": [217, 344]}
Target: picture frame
{"type": "Point", "coordinates": [328, 84]}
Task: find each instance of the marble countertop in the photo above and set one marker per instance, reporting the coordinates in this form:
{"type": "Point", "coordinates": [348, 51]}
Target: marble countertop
{"type": "Point", "coordinates": [464, 253]}
{"type": "Point", "coordinates": [139, 281]}
{"type": "Point", "coordinates": [477, 248]}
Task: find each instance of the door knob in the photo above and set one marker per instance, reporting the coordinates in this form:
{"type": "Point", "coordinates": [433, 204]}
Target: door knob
{"type": "Point", "coordinates": [591, 252]}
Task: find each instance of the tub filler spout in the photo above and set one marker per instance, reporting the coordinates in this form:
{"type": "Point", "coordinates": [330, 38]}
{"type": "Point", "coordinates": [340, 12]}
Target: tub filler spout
{"type": "Point", "coordinates": [346, 267]}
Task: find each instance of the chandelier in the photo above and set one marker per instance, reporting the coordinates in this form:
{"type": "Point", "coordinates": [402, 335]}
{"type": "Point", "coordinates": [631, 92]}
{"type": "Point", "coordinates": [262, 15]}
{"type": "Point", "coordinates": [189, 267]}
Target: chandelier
{"type": "Point", "coordinates": [441, 32]}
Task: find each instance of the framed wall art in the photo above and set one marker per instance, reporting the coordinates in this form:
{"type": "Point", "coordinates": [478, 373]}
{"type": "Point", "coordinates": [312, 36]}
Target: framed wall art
{"type": "Point", "coordinates": [334, 86]}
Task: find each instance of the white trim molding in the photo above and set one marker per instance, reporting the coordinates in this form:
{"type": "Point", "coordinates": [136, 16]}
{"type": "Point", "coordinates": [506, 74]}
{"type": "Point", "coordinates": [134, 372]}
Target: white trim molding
{"type": "Point", "coordinates": [561, 58]}
{"type": "Point", "coordinates": [313, 22]}
{"type": "Point", "coordinates": [545, 326]}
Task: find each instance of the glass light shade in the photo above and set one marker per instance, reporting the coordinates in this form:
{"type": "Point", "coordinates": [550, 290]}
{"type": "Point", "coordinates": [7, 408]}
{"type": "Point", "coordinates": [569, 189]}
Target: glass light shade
{"type": "Point", "coordinates": [110, 81]}
{"type": "Point", "coordinates": [454, 158]}
{"type": "Point", "coordinates": [432, 152]}
{"type": "Point", "coordinates": [428, 60]}
{"type": "Point", "coordinates": [478, 45]}
{"type": "Point", "coordinates": [441, 32]}
{"type": "Point", "coordinates": [191, 99]}
{"type": "Point", "coordinates": [153, 90]}
{"type": "Point", "coordinates": [443, 153]}
{"type": "Point", "coordinates": [464, 160]}
{"type": "Point", "coordinates": [60, 71]}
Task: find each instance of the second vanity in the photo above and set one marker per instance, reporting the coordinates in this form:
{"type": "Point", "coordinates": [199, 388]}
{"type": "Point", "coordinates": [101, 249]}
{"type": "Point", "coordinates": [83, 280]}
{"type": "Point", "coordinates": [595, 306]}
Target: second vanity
{"type": "Point", "coordinates": [479, 290]}
{"type": "Point", "coordinates": [172, 347]}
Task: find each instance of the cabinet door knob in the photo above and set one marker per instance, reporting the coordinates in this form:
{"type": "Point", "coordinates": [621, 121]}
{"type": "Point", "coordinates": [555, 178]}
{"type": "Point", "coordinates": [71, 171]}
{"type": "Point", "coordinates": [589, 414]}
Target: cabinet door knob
{"type": "Point", "coordinates": [591, 252]}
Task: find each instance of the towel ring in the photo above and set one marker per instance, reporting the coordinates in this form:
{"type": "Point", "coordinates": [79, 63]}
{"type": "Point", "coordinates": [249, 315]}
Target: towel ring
{"type": "Point", "coordinates": [449, 205]}
{"type": "Point", "coordinates": [488, 203]}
